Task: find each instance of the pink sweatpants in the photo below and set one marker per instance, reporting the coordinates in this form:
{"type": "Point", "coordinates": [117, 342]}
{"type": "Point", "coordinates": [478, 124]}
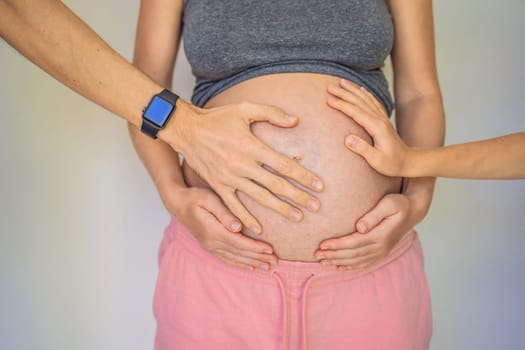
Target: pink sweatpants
{"type": "Point", "coordinates": [202, 303]}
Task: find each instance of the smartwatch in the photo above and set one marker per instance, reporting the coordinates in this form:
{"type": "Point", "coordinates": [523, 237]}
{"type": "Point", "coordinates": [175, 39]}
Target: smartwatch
{"type": "Point", "coordinates": [158, 111]}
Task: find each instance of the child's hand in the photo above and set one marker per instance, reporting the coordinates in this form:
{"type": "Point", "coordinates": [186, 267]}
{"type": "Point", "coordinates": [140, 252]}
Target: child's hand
{"type": "Point", "coordinates": [388, 155]}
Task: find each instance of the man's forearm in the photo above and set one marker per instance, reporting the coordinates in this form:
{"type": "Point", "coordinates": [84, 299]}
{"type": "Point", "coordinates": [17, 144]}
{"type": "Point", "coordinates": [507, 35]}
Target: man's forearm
{"type": "Point", "coordinates": [54, 38]}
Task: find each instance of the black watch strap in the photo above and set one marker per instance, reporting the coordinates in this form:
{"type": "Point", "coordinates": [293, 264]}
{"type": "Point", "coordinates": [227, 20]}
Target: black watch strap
{"type": "Point", "coordinates": [150, 128]}
{"type": "Point", "coordinates": [169, 96]}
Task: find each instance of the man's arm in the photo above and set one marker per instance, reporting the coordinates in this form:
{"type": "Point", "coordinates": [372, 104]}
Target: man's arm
{"type": "Point", "coordinates": [54, 38]}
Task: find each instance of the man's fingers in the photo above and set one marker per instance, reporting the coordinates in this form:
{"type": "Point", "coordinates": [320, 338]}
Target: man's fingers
{"type": "Point", "coordinates": [290, 168]}
{"type": "Point", "coordinates": [265, 113]}
{"type": "Point", "coordinates": [279, 186]}
{"type": "Point", "coordinates": [266, 198]}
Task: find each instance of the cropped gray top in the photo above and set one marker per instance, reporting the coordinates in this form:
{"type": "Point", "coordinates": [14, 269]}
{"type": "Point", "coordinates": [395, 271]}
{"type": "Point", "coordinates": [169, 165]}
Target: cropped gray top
{"type": "Point", "coordinates": [229, 41]}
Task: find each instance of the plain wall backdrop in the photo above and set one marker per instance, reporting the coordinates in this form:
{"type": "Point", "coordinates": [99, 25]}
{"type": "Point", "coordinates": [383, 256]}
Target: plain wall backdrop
{"type": "Point", "coordinates": [80, 220]}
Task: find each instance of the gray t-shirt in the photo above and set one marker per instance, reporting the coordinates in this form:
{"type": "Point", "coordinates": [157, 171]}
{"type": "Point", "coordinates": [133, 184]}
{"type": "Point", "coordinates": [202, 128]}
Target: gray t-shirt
{"type": "Point", "coordinates": [229, 41]}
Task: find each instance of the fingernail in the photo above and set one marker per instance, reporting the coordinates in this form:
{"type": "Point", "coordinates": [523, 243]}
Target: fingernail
{"type": "Point", "coordinates": [272, 262]}
{"type": "Point", "coordinates": [350, 141]}
{"type": "Point", "coordinates": [290, 118]}
{"type": "Point", "coordinates": [317, 184]}
{"type": "Point", "coordinates": [362, 226]}
{"type": "Point", "coordinates": [267, 251]}
{"type": "Point", "coordinates": [320, 256]}
{"type": "Point", "coordinates": [264, 266]}
{"type": "Point", "coordinates": [325, 262]}
{"type": "Point", "coordinates": [296, 215]}
{"type": "Point", "coordinates": [256, 229]}
{"type": "Point", "coordinates": [313, 204]}
{"type": "Point", "coordinates": [234, 226]}
{"type": "Point", "coordinates": [326, 246]}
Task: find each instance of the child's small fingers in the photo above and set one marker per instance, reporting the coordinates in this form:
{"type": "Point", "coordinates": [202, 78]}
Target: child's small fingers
{"type": "Point", "coordinates": [359, 92]}
{"type": "Point", "coordinates": [377, 105]}
{"type": "Point", "coordinates": [367, 120]}
{"type": "Point", "coordinates": [365, 95]}
{"type": "Point", "coordinates": [352, 97]}
{"type": "Point", "coordinates": [370, 99]}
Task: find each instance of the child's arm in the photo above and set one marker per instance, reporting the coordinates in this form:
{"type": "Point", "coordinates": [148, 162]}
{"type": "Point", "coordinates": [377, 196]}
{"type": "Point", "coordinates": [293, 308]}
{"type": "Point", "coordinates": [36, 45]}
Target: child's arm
{"type": "Point", "coordinates": [497, 158]}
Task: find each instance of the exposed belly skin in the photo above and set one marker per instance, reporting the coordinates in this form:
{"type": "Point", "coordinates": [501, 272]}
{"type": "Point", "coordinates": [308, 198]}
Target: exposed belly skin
{"type": "Point", "coordinates": [352, 187]}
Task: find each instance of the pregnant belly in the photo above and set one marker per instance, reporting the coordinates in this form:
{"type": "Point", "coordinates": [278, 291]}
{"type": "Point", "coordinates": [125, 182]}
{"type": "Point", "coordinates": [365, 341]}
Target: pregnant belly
{"type": "Point", "coordinates": [352, 187]}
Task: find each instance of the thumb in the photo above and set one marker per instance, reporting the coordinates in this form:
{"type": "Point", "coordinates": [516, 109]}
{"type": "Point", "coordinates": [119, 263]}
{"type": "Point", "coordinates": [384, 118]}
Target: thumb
{"type": "Point", "coordinates": [274, 115]}
{"type": "Point", "coordinates": [384, 209]}
{"type": "Point", "coordinates": [223, 214]}
{"type": "Point", "coordinates": [361, 147]}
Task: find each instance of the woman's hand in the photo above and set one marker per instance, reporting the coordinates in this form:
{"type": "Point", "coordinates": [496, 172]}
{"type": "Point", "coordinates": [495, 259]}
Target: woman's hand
{"type": "Point", "coordinates": [219, 145]}
{"type": "Point", "coordinates": [216, 229]}
{"type": "Point", "coordinates": [378, 231]}
{"type": "Point", "coordinates": [389, 155]}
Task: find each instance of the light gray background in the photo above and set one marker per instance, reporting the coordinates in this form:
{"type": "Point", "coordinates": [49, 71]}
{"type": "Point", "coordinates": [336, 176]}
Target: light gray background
{"type": "Point", "coordinates": [80, 221]}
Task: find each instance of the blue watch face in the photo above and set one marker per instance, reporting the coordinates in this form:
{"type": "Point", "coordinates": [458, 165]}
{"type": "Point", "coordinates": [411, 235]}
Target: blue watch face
{"type": "Point", "coordinates": [158, 111]}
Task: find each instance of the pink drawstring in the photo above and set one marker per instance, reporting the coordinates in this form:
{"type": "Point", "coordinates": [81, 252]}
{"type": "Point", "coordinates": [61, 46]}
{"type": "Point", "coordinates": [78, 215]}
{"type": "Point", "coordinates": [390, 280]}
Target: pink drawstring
{"type": "Point", "coordinates": [286, 309]}
{"type": "Point", "coordinates": [285, 306]}
{"type": "Point", "coordinates": [303, 308]}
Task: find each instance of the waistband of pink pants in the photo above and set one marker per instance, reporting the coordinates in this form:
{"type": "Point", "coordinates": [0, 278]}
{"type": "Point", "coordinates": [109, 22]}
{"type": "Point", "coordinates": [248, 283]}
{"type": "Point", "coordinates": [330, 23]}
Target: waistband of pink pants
{"type": "Point", "coordinates": [176, 232]}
